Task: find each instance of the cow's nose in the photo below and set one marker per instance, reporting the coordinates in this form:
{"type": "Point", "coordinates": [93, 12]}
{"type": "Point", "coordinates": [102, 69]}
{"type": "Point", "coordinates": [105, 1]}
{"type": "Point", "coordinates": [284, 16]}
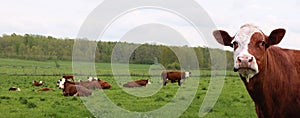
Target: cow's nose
{"type": "Point", "coordinates": [245, 59]}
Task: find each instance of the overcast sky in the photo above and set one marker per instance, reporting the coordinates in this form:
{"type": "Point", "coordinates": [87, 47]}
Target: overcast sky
{"type": "Point", "coordinates": [63, 18]}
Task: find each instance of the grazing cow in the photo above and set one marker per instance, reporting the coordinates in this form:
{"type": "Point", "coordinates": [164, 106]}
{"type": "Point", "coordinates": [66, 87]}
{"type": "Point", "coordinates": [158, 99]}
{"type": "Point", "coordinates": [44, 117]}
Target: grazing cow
{"type": "Point", "coordinates": [174, 76]}
{"type": "Point", "coordinates": [137, 83]}
{"type": "Point", "coordinates": [68, 77]}
{"type": "Point", "coordinates": [14, 89]}
{"type": "Point", "coordinates": [270, 73]}
{"type": "Point", "coordinates": [45, 89]}
{"type": "Point", "coordinates": [35, 83]}
{"type": "Point", "coordinates": [70, 89]}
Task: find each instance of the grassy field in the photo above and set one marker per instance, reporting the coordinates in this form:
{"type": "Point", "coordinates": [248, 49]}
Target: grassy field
{"type": "Point", "coordinates": [234, 100]}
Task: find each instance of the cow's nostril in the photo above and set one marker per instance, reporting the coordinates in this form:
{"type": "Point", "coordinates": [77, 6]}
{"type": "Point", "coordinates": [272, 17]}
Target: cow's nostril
{"type": "Point", "coordinates": [251, 59]}
{"type": "Point", "coordinates": [239, 60]}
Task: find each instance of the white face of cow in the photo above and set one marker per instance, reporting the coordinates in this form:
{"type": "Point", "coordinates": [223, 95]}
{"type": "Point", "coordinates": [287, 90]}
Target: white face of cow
{"type": "Point", "coordinates": [187, 74]}
{"type": "Point", "coordinates": [245, 63]}
{"type": "Point", "coordinates": [250, 45]}
{"type": "Point", "coordinates": [61, 83]}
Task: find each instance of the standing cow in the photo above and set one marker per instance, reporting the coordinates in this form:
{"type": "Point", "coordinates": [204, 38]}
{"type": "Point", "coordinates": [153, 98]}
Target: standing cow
{"type": "Point", "coordinates": [174, 76]}
{"type": "Point", "coordinates": [270, 73]}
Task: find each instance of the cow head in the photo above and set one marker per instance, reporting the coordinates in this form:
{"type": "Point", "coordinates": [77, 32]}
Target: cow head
{"type": "Point", "coordinates": [60, 83]}
{"type": "Point", "coordinates": [250, 45]}
{"type": "Point", "coordinates": [187, 74]}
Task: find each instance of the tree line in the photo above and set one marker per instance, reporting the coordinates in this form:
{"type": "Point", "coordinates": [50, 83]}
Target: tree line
{"type": "Point", "coordinates": [42, 48]}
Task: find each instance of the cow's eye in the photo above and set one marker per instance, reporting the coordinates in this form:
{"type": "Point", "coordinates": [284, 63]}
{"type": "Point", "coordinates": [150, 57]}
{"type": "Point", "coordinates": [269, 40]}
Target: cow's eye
{"type": "Point", "coordinates": [235, 45]}
{"type": "Point", "coordinates": [261, 44]}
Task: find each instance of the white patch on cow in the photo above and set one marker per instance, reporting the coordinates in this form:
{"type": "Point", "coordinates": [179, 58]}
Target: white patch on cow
{"type": "Point", "coordinates": [18, 89]}
{"type": "Point", "coordinates": [61, 83]}
{"type": "Point", "coordinates": [187, 74]}
{"type": "Point", "coordinates": [41, 82]}
{"type": "Point", "coordinates": [243, 38]}
{"type": "Point", "coordinates": [149, 82]}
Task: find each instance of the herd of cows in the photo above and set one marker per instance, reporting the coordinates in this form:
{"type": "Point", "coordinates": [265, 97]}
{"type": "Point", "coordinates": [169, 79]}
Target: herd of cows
{"type": "Point", "coordinates": [83, 88]}
{"type": "Point", "coordinates": [270, 73]}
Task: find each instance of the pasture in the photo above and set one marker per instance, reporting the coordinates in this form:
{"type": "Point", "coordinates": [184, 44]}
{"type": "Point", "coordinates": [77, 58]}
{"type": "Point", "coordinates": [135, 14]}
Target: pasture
{"type": "Point", "coordinates": [234, 100]}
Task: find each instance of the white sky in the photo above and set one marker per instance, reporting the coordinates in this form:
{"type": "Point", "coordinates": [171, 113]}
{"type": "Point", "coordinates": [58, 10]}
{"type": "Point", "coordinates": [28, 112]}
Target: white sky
{"type": "Point", "coordinates": [63, 18]}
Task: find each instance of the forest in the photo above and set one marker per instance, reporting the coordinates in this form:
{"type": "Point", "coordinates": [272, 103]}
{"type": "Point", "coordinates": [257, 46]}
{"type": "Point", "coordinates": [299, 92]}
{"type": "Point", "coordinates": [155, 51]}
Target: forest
{"type": "Point", "coordinates": [48, 48]}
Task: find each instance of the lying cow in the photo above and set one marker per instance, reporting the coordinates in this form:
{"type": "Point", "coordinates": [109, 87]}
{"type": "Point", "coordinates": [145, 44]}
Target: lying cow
{"type": "Point", "coordinates": [104, 84]}
{"type": "Point", "coordinates": [270, 73]}
{"type": "Point", "coordinates": [14, 89]}
{"type": "Point", "coordinates": [45, 89]}
{"type": "Point", "coordinates": [137, 83]}
{"type": "Point", "coordinates": [35, 83]}
{"type": "Point", "coordinates": [89, 84]}
{"type": "Point", "coordinates": [70, 89]}
{"type": "Point", "coordinates": [174, 76]}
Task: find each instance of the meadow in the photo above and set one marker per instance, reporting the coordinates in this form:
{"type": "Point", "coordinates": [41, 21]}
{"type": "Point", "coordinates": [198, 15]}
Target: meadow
{"type": "Point", "coordinates": [233, 101]}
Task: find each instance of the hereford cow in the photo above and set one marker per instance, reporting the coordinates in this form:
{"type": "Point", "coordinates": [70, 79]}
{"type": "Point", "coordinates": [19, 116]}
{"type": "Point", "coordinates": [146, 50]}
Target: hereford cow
{"type": "Point", "coordinates": [14, 89]}
{"type": "Point", "coordinates": [104, 84]}
{"type": "Point", "coordinates": [137, 83]}
{"type": "Point", "coordinates": [89, 84]}
{"type": "Point", "coordinates": [45, 89]}
{"type": "Point", "coordinates": [70, 89]}
{"type": "Point", "coordinates": [174, 76]}
{"type": "Point", "coordinates": [35, 83]}
{"type": "Point", "coordinates": [270, 73]}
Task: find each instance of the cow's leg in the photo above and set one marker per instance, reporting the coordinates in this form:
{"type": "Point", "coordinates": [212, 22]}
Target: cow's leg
{"type": "Point", "coordinates": [179, 82]}
{"type": "Point", "coordinates": [164, 82]}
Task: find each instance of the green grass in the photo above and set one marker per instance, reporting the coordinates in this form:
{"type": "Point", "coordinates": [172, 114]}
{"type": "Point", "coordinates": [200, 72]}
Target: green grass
{"type": "Point", "coordinates": [234, 100]}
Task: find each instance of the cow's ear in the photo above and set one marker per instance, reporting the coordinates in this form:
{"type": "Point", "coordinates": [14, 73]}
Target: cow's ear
{"type": "Point", "coordinates": [275, 37]}
{"type": "Point", "coordinates": [223, 37]}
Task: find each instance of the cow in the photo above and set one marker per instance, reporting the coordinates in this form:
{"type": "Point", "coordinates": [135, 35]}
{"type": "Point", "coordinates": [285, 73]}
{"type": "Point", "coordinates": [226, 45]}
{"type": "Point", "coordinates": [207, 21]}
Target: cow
{"type": "Point", "coordinates": [270, 73]}
{"type": "Point", "coordinates": [14, 89]}
{"type": "Point", "coordinates": [45, 89]}
{"type": "Point", "coordinates": [35, 83]}
{"type": "Point", "coordinates": [89, 84]}
{"type": "Point", "coordinates": [68, 77]}
{"type": "Point", "coordinates": [104, 84]}
{"type": "Point", "coordinates": [94, 84]}
{"type": "Point", "coordinates": [70, 89]}
{"type": "Point", "coordinates": [174, 76]}
{"type": "Point", "coordinates": [137, 83]}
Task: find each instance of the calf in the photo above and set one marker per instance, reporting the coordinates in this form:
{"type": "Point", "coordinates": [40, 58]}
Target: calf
{"type": "Point", "coordinates": [270, 73]}
{"type": "Point", "coordinates": [70, 89]}
{"type": "Point", "coordinates": [35, 83]}
{"type": "Point", "coordinates": [136, 83]}
{"type": "Point", "coordinates": [174, 76]}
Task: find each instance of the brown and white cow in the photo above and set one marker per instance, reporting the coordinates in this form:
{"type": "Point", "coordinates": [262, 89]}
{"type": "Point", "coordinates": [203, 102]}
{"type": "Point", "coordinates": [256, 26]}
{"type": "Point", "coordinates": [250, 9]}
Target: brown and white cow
{"type": "Point", "coordinates": [174, 76]}
{"type": "Point", "coordinates": [14, 89]}
{"type": "Point", "coordinates": [270, 73]}
{"type": "Point", "coordinates": [137, 83]}
{"type": "Point", "coordinates": [70, 89]}
{"type": "Point", "coordinates": [45, 89]}
{"type": "Point", "coordinates": [35, 83]}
